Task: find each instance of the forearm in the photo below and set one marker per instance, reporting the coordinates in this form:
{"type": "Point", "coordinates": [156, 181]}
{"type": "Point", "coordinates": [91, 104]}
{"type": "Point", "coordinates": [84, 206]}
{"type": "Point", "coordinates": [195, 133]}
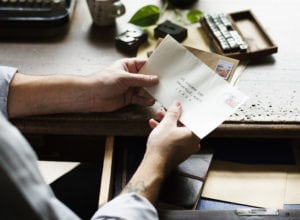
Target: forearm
{"type": "Point", "coordinates": [29, 95]}
{"type": "Point", "coordinates": [148, 179]}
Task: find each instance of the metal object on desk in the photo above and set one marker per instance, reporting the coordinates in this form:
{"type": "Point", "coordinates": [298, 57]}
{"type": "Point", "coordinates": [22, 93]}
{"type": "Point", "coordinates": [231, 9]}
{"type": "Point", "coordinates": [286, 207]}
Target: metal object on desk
{"type": "Point", "coordinates": [256, 212]}
{"type": "Point", "coordinates": [283, 214]}
{"type": "Point", "coordinates": [34, 18]}
{"type": "Point", "coordinates": [131, 39]}
{"type": "Point", "coordinates": [182, 3]}
{"type": "Point", "coordinates": [35, 12]}
{"type": "Point", "coordinates": [105, 12]}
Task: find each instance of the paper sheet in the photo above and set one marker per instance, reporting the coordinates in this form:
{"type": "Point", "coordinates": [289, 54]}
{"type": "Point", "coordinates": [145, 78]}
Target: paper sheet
{"type": "Point", "coordinates": [292, 194]}
{"type": "Point", "coordinates": [269, 186]}
{"type": "Point", "coordinates": [245, 184]}
{"type": "Point", "coordinates": [207, 98]}
{"type": "Point", "coordinates": [52, 170]}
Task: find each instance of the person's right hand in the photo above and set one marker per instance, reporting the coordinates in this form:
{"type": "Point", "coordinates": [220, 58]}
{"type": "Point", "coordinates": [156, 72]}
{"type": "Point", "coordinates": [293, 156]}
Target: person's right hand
{"type": "Point", "coordinates": [170, 143]}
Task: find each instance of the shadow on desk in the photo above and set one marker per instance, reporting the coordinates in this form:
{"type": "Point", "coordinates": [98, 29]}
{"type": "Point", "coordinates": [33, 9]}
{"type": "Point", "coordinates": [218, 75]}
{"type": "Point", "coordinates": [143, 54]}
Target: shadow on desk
{"type": "Point", "coordinates": [42, 34]}
{"type": "Point", "coordinates": [102, 37]}
{"type": "Point", "coordinates": [267, 60]}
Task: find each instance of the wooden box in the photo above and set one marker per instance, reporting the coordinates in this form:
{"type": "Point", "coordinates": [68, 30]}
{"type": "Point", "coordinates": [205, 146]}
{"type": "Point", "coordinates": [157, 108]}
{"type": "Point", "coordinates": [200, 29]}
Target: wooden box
{"type": "Point", "coordinates": [245, 23]}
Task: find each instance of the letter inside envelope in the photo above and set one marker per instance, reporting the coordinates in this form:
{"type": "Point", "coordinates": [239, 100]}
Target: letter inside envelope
{"type": "Point", "coordinates": [207, 99]}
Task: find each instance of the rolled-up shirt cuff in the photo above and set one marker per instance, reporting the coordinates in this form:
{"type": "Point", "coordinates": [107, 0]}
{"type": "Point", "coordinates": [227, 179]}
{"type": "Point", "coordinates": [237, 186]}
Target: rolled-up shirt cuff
{"type": "Point", "coordinates": [6, 75]}
{"type": "Point", "coordinates": [127, 206]}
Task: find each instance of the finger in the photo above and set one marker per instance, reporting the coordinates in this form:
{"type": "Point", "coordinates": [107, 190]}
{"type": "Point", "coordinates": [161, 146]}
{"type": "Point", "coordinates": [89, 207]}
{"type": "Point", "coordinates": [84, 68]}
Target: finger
{"type": "Point", "coordinates": [160, 115]}
{"type": "Point", "coordinates": [173, 113]}
{"type": "Point", "coordinates": [140, 100]}
{"type": "Point", "coordinates": [134, 64]}
{"type": "Point", "coordinates": [153, 123]}
{"type": "Point", "coordinates": [140, 80]}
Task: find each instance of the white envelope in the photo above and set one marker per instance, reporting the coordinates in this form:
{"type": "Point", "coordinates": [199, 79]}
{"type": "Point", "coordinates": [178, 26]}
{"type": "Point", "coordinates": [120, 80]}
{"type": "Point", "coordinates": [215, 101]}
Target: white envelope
{"type": "Point", "coordinates": [207, 99]}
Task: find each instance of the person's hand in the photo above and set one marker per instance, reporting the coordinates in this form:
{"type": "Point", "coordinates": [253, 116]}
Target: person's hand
{"type": "Point", "coordinates": [118, 85]}
{"type": "Point", "coordinates": [170, 143]}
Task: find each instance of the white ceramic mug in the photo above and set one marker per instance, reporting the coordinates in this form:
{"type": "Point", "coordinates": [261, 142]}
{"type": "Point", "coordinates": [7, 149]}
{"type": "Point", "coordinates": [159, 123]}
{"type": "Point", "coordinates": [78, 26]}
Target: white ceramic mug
{"type": "Point", "coordinates": [105, 12]}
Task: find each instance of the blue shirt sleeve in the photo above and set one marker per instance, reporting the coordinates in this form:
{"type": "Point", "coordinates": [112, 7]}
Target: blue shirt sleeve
{"type": "Point", "coordinates": [6, 75]}
{"type": "Point", "coordinates": [129, 206]}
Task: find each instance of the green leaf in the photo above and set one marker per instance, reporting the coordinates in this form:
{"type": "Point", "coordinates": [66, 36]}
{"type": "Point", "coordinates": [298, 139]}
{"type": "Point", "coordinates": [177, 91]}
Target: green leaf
{"type": "Point", "coordinates": [194, 15]}
{"type": "Point", "coordinates": [146, 16]}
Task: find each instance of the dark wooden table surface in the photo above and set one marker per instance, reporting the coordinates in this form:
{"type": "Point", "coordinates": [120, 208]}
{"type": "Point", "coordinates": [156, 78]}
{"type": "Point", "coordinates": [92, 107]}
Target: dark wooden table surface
{"type": "Point", "coordinates": [273, 84]}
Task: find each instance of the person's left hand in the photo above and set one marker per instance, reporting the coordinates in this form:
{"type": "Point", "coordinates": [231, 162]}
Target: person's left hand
{"type": "Point", "coordinates": [118, 85]}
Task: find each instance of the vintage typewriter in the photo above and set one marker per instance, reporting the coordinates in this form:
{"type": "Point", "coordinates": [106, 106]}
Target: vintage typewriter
{"type": "Point", "coordinates": [21, 15]}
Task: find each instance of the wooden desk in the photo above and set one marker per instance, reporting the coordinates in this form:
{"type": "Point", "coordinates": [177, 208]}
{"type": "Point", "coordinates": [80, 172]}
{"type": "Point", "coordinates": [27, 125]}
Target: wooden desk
{"type": "Point", "coordinates": [273, 84]}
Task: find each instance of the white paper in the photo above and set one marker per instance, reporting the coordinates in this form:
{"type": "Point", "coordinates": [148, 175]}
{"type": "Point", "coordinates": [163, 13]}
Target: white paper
{"type": "Point", "coordinates": [207, 99]}
{"type": "Point", "coordinates": [52, 170]}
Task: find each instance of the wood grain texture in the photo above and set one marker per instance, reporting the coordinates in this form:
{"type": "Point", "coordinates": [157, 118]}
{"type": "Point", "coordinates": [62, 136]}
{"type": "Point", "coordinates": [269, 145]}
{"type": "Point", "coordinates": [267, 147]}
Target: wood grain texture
{"type": "Point", "coordinates": [107, 172]}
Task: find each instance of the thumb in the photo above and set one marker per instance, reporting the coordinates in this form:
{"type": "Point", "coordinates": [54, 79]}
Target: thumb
{"type": "Point", "coordinates": [173, 113]}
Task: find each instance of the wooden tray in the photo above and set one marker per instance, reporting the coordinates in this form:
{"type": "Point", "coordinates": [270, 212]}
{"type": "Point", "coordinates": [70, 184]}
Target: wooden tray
{"type": "Point", "coordinates": [252, 32]}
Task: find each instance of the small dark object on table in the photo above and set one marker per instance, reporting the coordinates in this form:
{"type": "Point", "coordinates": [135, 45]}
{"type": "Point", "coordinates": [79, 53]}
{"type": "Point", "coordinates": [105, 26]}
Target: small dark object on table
{"type": "Point", "coordinates": [182, 3]}
{"type": "Point", "coordinates": [177, 32]}
{"type": "Point", "coordinates": [131, 39]}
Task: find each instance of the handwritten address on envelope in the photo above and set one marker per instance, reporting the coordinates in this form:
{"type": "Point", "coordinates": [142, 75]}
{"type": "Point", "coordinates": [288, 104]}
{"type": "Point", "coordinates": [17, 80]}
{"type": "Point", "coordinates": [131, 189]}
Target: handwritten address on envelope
{"type": "Point", "coordinates": [207, 98]}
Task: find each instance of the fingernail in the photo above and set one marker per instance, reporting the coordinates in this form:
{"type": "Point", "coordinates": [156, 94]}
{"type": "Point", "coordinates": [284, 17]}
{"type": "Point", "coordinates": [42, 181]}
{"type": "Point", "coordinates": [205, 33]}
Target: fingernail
{"type": "Point", "coordinates": [177, 103]}
{"type": "Point", "coordinates": [153, 77]}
